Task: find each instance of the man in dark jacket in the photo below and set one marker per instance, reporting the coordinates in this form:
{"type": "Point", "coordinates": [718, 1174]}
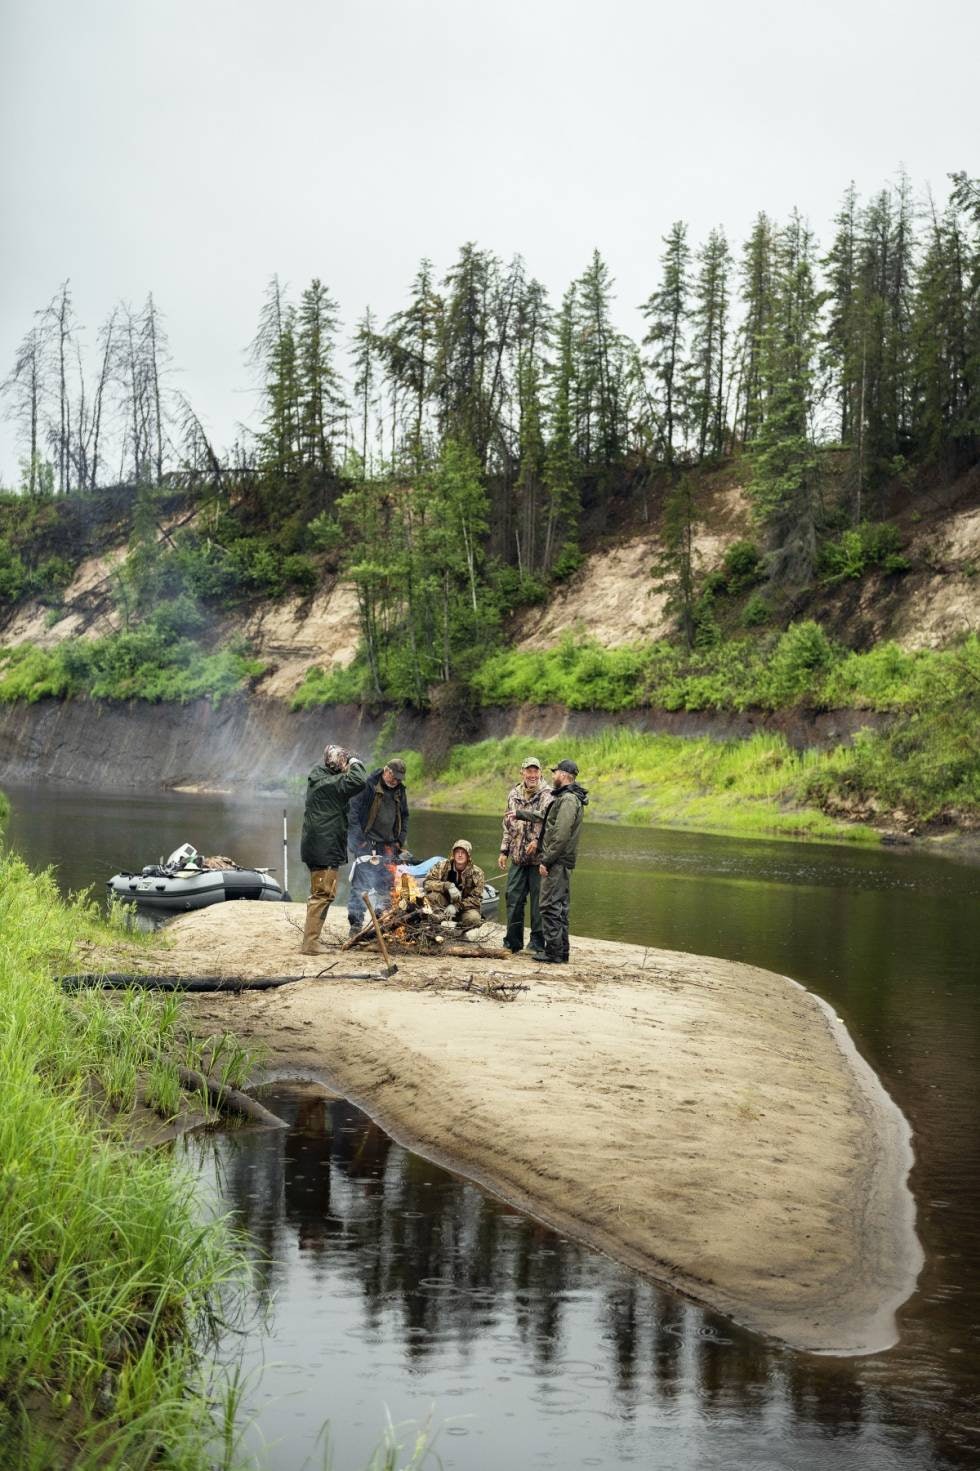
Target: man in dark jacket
{"type": "Point", "coordinates": [377, 838]}
{"type": "Point", "coordinates": [557, 851]}
{"type": "Point", "coordinates": [323, 848]}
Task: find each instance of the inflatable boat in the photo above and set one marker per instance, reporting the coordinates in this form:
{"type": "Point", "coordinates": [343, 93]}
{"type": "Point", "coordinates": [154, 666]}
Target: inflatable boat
{"type": "Point", "coordinates": [184, 882]}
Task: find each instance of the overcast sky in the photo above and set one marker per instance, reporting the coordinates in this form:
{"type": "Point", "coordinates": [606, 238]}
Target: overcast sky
{"type": "Point", "coordinates": [195, 147]}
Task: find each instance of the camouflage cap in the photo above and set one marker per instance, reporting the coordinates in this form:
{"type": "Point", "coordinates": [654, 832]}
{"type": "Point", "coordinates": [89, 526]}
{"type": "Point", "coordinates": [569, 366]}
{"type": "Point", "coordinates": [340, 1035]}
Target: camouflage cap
{"type": "Point", "coordinates": [530, 761]}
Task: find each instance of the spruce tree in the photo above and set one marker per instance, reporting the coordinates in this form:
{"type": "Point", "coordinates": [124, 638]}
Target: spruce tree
{"type": "Point", "coordinates": [783, 455]}
{"type": "Point", "coordinates": [321, 401]}
{"type": "Point", "coordinates": [756, 299]}
{"type": "Point", "coordinates": [273, 353]}
{"type": "Point", "coordinates": [667, 312]}
{"type": "Point", "coordinates": [706, 370]}
{"type": "Point", "coordinates": [562, 471]}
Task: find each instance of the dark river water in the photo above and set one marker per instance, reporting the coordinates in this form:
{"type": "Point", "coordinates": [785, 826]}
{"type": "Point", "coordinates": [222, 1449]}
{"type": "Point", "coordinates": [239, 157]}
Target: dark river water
{"type": "Point", "coordinates": [386, 1285]}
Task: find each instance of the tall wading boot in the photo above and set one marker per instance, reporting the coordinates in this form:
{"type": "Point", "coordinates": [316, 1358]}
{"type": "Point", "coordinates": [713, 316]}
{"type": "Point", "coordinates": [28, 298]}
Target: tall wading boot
{"type": "Point", "coordinates": [323, 887]}
{"type": "Point", "coordinates": [316, 913]}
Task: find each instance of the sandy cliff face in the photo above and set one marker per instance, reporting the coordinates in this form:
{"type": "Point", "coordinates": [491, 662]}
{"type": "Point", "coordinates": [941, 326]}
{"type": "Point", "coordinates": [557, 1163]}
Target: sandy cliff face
{"type": "Point", "coordinates": [612, 597]}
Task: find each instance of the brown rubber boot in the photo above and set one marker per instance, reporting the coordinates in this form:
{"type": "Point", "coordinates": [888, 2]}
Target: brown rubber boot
{"type": "Point", "coordinates": [316, 913]}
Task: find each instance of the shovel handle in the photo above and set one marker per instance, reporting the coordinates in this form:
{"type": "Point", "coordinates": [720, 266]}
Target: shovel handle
{"type": "Point", "coordinates": [381, 939]}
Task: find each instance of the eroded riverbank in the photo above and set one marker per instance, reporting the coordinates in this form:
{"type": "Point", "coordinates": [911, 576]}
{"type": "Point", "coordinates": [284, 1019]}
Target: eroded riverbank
{"type": "Point", "coordinates": [703, 1121]}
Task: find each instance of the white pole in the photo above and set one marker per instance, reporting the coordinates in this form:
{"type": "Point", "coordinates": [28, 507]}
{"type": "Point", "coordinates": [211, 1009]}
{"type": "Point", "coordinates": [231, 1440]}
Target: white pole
{"type": "Point", "coordinates": [285, 854]}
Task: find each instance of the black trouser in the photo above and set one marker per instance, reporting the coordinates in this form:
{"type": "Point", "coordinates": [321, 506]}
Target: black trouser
{"type": "Point", "coordinates": [523, 880]}
{"type": "Point", "coordinates": [555, 895]}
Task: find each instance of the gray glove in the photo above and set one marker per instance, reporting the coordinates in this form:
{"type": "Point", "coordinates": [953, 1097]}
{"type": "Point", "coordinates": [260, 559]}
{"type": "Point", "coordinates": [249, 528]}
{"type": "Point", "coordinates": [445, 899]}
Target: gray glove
{"type": "Point", "coordinates": [453, 892]}
{"type": "Point", "coordinates": [450, 911]}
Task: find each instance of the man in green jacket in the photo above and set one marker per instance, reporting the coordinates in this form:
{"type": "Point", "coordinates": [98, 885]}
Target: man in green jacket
{"type": "Point", "coordinates": [324, 844]}
{"type": "Point", "coordinates": [557, 851]}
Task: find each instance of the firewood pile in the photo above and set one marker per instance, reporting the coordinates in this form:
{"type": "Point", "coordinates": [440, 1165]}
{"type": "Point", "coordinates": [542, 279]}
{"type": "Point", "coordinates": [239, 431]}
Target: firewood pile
{"type": "Point", "coordinates": [410, 925]}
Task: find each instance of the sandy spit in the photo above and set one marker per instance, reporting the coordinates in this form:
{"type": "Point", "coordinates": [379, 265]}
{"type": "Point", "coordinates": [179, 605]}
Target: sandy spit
{"type": "Point", "coordinates": [707, 1123]}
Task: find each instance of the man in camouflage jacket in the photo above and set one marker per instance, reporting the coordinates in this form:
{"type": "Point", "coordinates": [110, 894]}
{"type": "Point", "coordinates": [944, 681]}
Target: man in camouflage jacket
{"type": "Point", "coordinates": [519, 843]}
{"type": "Point", "coordinates": [456, 883]}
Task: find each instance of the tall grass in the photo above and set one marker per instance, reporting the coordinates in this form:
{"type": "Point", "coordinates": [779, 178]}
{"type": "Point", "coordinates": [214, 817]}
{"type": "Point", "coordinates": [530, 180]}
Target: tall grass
{"type": "Point", "coordinates": [754, 787]}
{"type": "Point", "coordinates": [110, 1285]}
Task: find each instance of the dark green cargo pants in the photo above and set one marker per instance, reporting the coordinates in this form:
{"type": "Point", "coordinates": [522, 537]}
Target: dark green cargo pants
{"type": "Point", "coordinates": [555, 897]}
{"type": "Point", "coordinates": [523, 882]}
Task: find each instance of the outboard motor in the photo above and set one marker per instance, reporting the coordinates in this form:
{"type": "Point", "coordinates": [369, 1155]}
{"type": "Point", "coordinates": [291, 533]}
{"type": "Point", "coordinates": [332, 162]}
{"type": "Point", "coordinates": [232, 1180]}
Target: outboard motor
{"type": "Point", "coordinates": [186, 856]}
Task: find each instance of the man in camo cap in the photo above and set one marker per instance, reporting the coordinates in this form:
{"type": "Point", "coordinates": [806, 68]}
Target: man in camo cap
{"type": "Point", "coordinates": [527, 804]}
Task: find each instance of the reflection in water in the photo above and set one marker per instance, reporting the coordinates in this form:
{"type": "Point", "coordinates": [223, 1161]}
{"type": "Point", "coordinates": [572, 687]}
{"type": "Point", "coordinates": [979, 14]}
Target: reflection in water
{"type": "Point", "coordinates": [452, 1299]}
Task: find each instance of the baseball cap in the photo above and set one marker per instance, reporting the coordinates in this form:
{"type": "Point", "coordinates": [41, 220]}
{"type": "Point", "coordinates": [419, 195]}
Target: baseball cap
{"type": "Point", "coordinates": [568, 766]}
{"type": "Point", "coordinates": [397, 767]}
{"type": "Point", "coordinates": [530, 761]}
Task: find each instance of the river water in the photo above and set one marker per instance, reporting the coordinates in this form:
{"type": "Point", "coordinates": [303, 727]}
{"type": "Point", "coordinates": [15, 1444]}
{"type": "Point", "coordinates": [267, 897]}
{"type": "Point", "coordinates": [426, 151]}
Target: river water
{"type": "Point", "coordinates": [390, 1283]}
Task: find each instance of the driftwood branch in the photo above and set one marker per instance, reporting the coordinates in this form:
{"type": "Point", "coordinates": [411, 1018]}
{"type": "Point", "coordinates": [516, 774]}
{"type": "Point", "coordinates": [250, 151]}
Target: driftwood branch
{"type": "Point", "coordinates": [124, 980]}
{"type": "Point", "coordinates": [228, 1100]}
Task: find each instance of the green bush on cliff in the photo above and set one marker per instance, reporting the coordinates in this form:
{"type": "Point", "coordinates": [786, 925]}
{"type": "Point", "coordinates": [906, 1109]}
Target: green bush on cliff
{"type": "Point", "coordinates": [147, 663]}
{"type": "Point", "coordinates": [341, 686]}
{"type": "Point", "coordinates": [800, 667]}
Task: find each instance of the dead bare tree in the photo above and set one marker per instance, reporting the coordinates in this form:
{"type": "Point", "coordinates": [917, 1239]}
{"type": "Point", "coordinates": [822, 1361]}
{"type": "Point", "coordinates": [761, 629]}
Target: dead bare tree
{"type": "Point", "coordinates": [24, 390]}
{"type": "Point", "coordinates": [57, 325]}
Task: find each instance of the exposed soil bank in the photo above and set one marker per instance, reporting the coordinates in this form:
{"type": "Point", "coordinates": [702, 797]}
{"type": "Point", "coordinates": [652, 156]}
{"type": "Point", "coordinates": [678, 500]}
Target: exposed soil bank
{"type": "Point", "coordinates": [259, 744]}
{"type": "Point", "coordinates": [705, 1122]}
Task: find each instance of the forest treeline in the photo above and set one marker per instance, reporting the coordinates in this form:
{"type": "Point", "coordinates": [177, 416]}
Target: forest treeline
{"type": "Point", "coordinates": [447, 457]}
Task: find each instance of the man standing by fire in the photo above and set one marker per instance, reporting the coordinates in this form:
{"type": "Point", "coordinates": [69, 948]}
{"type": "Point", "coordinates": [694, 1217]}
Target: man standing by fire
{"type": "Point", "coordinates": [557, 850]}
{"type": "Point", "coordinates": [324, 843]}
{"type": "Point", "coordinates": [377, 838]}
{"type": "Point", "coordinates": [526, 805]}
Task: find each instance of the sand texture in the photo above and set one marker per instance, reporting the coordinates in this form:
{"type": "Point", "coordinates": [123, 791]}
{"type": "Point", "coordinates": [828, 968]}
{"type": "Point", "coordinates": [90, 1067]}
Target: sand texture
{"type": "Point", "coordinates": [705, 1122]}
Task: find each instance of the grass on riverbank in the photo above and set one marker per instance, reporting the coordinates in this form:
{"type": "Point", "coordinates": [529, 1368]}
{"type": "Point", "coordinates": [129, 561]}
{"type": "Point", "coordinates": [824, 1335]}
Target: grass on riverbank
{"type": "Point", "coordinates": [755, 787]}
{"type": "Point", "coordinates": [110, 1285]}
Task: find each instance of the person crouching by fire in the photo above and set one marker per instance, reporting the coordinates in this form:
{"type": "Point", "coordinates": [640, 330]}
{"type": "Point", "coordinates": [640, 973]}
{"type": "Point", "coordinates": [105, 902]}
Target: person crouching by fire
{"type": "Point", "coordinates": [454, 888]}
{"type": "Point", "coordinates": [323, 848]}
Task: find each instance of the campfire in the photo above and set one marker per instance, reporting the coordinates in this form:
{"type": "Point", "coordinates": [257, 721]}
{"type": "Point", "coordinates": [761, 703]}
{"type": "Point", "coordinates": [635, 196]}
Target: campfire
{"type": "Point", "coordinates": [409, 924]}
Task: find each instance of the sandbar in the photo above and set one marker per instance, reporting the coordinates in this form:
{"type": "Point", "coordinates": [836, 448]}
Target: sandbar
{"type": "Point", "coordinates": [708, 1123]}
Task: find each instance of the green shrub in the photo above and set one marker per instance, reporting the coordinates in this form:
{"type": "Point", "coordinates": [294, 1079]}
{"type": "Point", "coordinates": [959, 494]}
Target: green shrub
{"type": "Point", "coordinates": [569, 560]}
{"type": "Point", "coordinates": [13, 574]}
{"type": "Point", "coordinates": [299, 573]}
{"type": "Point", "coordinates": [325, 533]}
{"type": "Point", "coordinates": [147, 663]}
{"type": "Point", "coordinates": [871, 544]}
{"type": "Point", "coordinates": [802, 655]}
{"type": "Point", "coordinates": [50, 578]}
{"type": "Point", "coordinates": [742, 566]}
{"type": "Point", "coordinates": [756, 611]}
{"type": "Point", "coordinates": [513, 590]}
{"type": "Point", "coordinates": [344, 685]}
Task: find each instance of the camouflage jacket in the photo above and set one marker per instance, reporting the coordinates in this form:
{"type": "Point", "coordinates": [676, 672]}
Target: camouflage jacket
{"type": "Point", "coordinates": [518, 832]}
{"type": "Point", "coordinates": [470, 883]}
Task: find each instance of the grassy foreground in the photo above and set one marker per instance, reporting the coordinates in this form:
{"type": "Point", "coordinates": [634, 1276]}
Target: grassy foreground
{"type": "Point", "coordinates": [110, 1285]}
